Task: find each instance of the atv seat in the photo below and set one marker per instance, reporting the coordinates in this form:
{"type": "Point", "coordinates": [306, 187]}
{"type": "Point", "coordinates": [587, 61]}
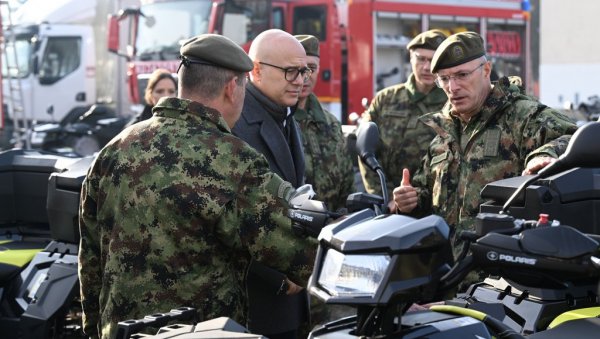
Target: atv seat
{"type": "Point", "coordinates": [15, 255]}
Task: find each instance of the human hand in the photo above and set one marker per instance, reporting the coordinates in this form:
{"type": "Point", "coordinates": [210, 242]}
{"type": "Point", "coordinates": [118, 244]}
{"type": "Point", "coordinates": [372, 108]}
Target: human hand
{"type": "Point", "coordinates": [536, 164]}
{"type": "Point", "coordinates": [405, 196]}
{"type": "Point", "coordinates": [292, 288]}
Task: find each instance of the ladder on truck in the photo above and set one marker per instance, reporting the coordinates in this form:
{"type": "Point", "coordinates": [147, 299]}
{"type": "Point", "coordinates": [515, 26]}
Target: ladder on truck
{"type": "Point", "coordinates": [14, 97]}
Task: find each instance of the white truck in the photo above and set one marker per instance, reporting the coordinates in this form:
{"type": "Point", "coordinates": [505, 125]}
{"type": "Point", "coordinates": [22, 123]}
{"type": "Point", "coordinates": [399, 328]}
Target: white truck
{"type": "Point", "coordinates": [55, 59]}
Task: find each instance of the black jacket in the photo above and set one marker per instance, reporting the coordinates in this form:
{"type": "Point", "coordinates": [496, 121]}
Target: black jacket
{"type": "Point", "coordinates": [258, 127]}
{"type": "Point", "coordinates": [261, 125]}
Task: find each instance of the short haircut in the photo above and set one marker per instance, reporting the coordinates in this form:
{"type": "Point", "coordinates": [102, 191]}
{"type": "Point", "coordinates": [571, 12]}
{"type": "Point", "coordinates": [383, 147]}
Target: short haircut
{"type": "Point", "coordinates": [207, 81]}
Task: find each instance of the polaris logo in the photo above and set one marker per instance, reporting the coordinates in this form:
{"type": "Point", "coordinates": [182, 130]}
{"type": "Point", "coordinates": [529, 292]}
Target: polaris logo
{"type": "Point", "coordinates": [300, 216]}
{"type": "Point", "coordinates": [493, 256]}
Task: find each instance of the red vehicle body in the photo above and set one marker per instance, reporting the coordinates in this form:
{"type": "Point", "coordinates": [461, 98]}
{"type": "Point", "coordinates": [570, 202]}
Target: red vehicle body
{"type": "Point", "coordinates": [363, 42]}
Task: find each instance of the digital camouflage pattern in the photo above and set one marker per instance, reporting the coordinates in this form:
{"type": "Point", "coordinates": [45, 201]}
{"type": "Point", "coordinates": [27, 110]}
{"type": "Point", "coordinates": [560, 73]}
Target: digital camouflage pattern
{"type": "Point", "coordinates": [171, 212]}
{"type": "Point", "coordinates": [497, 143]}
{"type": "Point", "coordinates": [404, 140]}
{"type": "Point", "coordinates": [328, 164]}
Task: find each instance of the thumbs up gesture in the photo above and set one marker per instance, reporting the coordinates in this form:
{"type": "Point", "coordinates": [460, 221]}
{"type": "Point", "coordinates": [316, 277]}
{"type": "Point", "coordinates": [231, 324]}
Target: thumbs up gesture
{"type": "Point", "coordinates": [405, 196]}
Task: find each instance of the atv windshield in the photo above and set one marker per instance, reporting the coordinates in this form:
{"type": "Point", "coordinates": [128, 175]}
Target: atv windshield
{"type": "Point", "coordinates": [164, 26]}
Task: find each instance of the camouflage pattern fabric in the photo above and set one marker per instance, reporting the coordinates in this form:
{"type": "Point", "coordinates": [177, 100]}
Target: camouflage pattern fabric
{"type": "Point", "coordinates": [404, 140]}
{"type": "Point", "coordinates": [328, 164]}
{"type": "Point", "coordinates": [497, 143]}
{"type": "Point", "coordinates": [172, 210]}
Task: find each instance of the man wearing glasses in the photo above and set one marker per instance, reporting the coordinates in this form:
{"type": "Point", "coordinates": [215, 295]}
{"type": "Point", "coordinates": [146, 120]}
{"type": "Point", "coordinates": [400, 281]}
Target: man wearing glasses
{"type": "Point", "coordinates": [396, 109]}
{"type": "Point", "coordinates": [267, 124]}
{"type": "Point", "coordinates": [485, 132]}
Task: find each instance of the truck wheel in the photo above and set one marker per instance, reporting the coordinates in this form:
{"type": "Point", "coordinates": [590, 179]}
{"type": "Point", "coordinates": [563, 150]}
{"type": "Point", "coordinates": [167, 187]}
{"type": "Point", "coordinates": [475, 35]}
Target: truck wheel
{"type": "Point", "coordinates": [85, 145]}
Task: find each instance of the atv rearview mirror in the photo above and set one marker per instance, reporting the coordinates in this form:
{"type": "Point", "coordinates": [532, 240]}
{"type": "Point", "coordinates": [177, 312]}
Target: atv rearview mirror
{"type": "Point", "coordinates": [583, 151]}
{"type": "Point", "coordinates": [367, 140]}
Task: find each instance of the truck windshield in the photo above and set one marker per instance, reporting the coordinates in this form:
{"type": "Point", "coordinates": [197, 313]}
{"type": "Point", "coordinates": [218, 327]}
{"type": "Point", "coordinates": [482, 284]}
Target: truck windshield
{"type": "Point", "coordinates": [165, 25]}
{"type": "Point", "coordinates": [18, 56]}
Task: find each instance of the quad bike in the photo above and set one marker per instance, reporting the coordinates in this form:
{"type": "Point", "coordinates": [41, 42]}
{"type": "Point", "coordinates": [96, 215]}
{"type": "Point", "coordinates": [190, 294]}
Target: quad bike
{"type": "Point", "coordinates": [39, 238]}
{"type": "Point", "coordinates": [545, 274]}
{"type": "Point", "coordinates": [82, 132]}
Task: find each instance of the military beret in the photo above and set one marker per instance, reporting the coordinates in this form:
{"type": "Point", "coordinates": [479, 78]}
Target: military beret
{"type": "Point", "coordinates": [216, 50]}
{"type": "Point", "coordinates": [428, 40]}
{"type": "Point", "coordinates": [456, 50]}
{"type": "Point", "coordinates": [310, 43]}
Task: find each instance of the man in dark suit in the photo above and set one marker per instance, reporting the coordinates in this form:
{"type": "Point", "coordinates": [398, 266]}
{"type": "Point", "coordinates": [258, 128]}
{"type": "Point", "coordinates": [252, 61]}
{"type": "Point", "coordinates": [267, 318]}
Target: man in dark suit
{"type": "Point", "coordinates": [267, 124]}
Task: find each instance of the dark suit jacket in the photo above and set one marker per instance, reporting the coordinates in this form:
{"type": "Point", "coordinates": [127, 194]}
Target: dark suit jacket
{"type": "Point", "coordinates": [258, 128]}
{"type": "Point", "coordinates": [270, 313]}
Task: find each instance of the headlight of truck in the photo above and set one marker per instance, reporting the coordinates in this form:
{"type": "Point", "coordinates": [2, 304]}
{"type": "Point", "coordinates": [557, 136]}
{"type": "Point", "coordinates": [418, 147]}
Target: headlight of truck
{"type": "Point", "coordinates": [352, 274]}
{"type": "Point", "coordinates": [37, 138]}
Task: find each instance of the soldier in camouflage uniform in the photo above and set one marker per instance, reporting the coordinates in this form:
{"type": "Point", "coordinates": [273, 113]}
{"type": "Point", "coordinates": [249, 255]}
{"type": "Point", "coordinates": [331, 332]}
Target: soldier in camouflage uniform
{"type": "Point", "coordinates": [485, 132]}
{"type": "Point", "coordinates": [174, 207]}
{"type": "Point", "coordinates": [328, 164]}
{"type": "Point", "coordinates": [396, 109]}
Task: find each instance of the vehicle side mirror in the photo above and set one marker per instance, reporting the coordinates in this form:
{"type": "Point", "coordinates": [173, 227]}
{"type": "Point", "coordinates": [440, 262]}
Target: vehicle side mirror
{"type": "Point", "coordinates": [35, 65]}
{"type": "Point", "coordinates": [367, 141]}
{"type": "Point", "coordinates": [113, 34]}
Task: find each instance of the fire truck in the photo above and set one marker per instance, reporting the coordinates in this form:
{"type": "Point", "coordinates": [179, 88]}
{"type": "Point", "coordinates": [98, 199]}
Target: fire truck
{"type": "Point", "coordinates": [363, 42]}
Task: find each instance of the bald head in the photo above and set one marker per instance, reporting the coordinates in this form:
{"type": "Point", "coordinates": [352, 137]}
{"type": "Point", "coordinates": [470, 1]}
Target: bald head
{"type": "Point", "coordinates": [274, 43]}
{"type": "Point", "coordinates": [273, 52]}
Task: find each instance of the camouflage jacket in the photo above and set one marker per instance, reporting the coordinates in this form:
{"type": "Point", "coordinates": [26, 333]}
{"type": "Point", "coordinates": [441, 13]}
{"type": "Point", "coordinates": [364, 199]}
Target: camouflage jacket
{"type": "Point", "coordinates": [495, 144]}
{"type": "Point", "coordinates": [404, 140]}
{"type": "Point", "coordinates": [172, 210]}
{"type": "Point", "coordinates": [328, 163]}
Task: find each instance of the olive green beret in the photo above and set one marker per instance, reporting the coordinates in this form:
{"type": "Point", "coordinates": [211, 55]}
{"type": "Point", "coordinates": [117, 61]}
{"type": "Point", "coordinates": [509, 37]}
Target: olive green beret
{"type": "Point", "coordinates": [216, 50]}
{"type": "Point", "coordinates": [310, 43]}
{"type": "Point", "coordinates": [428, 40]}
{"type": "Point", "coordinates": [456, 50]}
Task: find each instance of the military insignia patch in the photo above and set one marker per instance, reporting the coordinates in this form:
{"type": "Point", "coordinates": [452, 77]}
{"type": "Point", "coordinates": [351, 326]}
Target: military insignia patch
{"type": "Point", "coordinates": [458, 52]}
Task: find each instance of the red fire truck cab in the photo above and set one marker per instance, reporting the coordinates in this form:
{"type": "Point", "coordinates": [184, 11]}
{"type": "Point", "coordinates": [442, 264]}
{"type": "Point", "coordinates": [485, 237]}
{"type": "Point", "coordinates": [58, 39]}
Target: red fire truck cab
{"type": "Point", "coordinates": [363, 42]}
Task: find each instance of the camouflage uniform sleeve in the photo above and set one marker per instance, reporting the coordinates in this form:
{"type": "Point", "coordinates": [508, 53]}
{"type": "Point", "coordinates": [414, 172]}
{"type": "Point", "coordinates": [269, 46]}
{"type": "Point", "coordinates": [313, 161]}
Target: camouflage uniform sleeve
{"type": "Point", "coordinates": [90, 272]}
{"type": "Point", "coordinates": [547, 134]}
{"type": "Point", "coordinates": [265, 230]}
{"type": "Point", "coordinates": [346, 184]}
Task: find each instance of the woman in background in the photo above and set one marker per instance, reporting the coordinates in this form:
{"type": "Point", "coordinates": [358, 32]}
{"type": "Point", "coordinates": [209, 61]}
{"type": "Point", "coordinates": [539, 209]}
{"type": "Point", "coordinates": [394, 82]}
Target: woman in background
{"type": "Point", "coordinates": [160, 84]}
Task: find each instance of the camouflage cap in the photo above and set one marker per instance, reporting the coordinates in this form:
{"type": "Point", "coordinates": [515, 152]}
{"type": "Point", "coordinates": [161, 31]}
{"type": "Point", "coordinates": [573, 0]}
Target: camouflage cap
{"type": "Point", "coordinates": [216, 50]}
{"type": "Point", "coordinates": [428, 40]}
{"type": "Point", "coordinates": [310, 44]}
{"type": "Point", "coordinates": [456, 50]}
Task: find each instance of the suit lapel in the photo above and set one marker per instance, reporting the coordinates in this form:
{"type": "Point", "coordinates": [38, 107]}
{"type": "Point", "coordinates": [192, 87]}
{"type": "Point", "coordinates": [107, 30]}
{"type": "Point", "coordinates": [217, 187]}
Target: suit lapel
{"type": "Point", "coordinates": [275, 141]}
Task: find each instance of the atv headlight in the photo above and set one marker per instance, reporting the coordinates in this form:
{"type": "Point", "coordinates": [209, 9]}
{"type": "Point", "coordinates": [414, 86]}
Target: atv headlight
{"type": "Point", "coordinates": [352, 274]}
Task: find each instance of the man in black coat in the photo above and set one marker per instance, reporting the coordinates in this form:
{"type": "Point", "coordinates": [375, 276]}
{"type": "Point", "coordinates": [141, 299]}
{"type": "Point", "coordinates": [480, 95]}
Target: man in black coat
{"type": "Point", "coordinates": [267, 125]}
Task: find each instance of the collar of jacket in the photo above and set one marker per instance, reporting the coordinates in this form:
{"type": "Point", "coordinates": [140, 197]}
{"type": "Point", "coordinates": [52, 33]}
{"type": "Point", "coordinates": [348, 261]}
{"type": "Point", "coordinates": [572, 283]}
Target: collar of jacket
{"type": "Point", "coordinates": [435, 96]}
{"type": "Point", "coordinates": [501, 95]}
{"type": "Point", "coordinates": [312, 110]}
{"type": "Point", "coordinates": [190, 111]}
{"type": "Point", "coordinates": [279, 113]}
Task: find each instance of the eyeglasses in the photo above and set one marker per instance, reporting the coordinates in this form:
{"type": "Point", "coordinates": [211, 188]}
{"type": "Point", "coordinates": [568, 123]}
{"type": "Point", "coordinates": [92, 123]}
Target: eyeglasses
{"type": "Point", "coordinates": [291, 73]}
{"type": "Point", "coordinates": [421, 59]}
{"type": "Point", "coordinates": [444, 80]}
